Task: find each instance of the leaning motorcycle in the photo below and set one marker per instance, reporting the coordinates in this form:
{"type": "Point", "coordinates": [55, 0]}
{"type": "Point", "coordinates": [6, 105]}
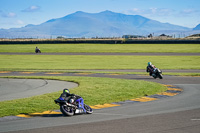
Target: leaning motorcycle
{"type": "Point", "coordinates": [157, 73]}
{"type": "Point", "coordinates": [73, 106]}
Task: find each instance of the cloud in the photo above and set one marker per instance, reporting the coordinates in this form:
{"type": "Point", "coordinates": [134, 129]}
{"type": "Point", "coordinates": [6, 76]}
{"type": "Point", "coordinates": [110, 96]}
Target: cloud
{"type": "Point", "coordinates": [20, 22]}
{"type": "Point", "coordinates": [31, 9]}
{"type": "Point", "coordinates": [9, 15]}
{"type": "Point", "coordinates": [162, 11]}
{"type": "Point", "coordinates": [152, 11]}
{"type": "Point", "coordinates": [189, 11]}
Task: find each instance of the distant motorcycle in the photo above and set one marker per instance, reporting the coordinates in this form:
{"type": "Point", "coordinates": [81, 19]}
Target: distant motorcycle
{"type": "Point", "coordinates": [37, 50]}
{"type": "Point", "coordinates": [157, 73]}
{"type": "Point", "coordinates": [73, 105]}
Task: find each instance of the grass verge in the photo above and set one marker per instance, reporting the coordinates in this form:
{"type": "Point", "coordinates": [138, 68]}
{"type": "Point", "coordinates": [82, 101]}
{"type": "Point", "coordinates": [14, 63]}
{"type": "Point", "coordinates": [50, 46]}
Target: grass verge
{"type": "Point", "coordinates": [102, 48]}
{"type": "Point", "coordinates": [93, 90]}
{"type": "Point", "coordinates": [63, 62]}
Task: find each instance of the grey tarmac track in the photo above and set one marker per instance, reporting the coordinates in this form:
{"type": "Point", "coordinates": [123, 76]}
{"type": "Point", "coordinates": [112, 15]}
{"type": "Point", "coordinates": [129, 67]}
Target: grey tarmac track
{"type": "Point", "coordinates": [168, 79]}
{"type": "Point", "coordinates": [178, 114]}
{"type": "Point", "coordinates": [138, 70]}
{"type": "Point", "coordinates": [175, 122]}
{"type": "Point", "coordinates": [21, 88]}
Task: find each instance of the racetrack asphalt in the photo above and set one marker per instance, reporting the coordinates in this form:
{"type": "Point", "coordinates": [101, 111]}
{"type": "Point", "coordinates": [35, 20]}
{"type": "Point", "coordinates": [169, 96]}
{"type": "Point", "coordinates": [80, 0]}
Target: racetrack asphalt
{"type": "Point", "coordinates": [178, 114]}
{"type": "Point", "coordinates": [168, 79]}
{"type": "Point", "coordinates": [21, 88]}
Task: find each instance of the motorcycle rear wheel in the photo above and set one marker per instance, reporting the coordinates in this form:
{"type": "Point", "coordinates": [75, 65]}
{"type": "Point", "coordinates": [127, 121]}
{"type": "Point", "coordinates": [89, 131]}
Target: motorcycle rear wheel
{"type": "Point", "coordinates": [67, 111]}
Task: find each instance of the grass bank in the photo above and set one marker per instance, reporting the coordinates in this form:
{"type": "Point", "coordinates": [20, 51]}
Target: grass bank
{"type": "Point", "coordinates": [102, 48]}
{"type": "Point", "coordinates": [93, 90]}
{"type": "Point", "coordinates": [67, 62]}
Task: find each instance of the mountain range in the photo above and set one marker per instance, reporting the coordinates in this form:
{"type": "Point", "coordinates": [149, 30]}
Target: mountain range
{"type": "Point", "coordinates": [103, 24]}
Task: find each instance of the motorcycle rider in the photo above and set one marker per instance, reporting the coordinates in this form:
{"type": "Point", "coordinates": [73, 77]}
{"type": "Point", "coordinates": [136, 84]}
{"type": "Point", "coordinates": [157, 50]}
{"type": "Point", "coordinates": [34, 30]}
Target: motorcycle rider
{"type": "Point", "coordinates": [37, 50]}
{"type": "Point", "coordinates": [66, 95]}
{"type": "Point", "coordinates": [71, 104]}
{"type": "Point", "coordinates": [150, 68]}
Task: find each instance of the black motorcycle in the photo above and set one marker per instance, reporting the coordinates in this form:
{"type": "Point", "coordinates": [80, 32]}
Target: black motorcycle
{"type": "Point", "coordinates": [157, 73]}
{"type": "Point", "coordinates": [37, 50]}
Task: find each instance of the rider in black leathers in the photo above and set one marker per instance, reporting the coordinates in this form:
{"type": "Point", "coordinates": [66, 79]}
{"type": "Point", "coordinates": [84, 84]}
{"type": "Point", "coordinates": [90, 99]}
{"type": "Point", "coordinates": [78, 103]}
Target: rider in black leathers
{"type": "Point", "coordinates": [66, 95]}
{"type": "Point", "coordinates": [37, 50]}
{"type": "Point", "coordinates": [150, 68]}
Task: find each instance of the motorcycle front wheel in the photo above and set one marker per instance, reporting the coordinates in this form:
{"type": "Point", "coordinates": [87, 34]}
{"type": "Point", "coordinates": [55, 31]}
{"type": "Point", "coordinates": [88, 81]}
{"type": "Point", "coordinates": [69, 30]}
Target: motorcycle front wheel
{"type": "Point", "coordinates": [88, 109]}
{"type": "Point", "coordinates": [67, 111]}
{"type": "Point", "coordinates": [160, 76]}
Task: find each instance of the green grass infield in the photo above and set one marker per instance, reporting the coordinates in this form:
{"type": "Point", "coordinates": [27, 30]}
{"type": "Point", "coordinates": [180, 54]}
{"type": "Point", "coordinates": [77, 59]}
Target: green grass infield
{"type": "Point", "coordinates": [67, 62]}
{"type": "Point", "coordinates": [102, 48]}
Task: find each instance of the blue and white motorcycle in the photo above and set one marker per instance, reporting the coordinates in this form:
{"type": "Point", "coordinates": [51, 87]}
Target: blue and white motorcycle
{"type": "Point", "coordinates": [73, 104]}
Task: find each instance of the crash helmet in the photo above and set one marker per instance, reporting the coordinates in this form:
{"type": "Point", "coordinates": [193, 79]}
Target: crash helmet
{"type": "Point", "coordinates": [66, 90]}
{"type": "Point", "coordinates": [149, 63]}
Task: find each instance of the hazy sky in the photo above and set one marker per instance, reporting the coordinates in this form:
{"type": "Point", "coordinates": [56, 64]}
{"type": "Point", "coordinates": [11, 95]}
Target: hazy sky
{"type": "Point", "coordinates": [18, 13]}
